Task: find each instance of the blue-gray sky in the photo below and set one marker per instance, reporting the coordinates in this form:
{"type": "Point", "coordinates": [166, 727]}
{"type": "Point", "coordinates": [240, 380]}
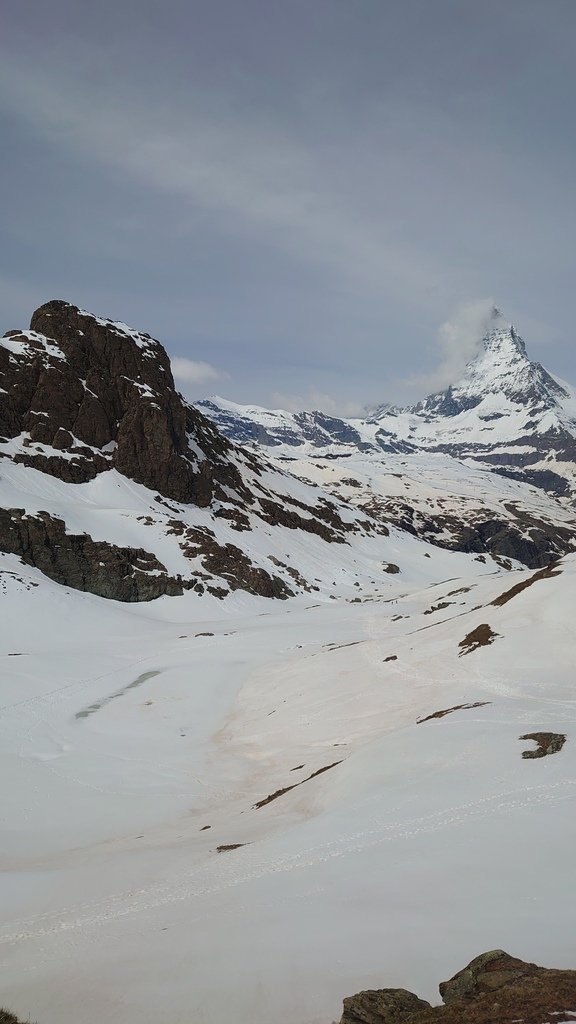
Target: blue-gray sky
{"type": "Point", "coordinates": [293, 194]}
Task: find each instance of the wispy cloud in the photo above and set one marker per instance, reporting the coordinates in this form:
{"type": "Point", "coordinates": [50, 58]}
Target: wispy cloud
{"type": "Point", "coordinates": [459, 340]}
{"type": "Point", "coordinates": [245, 169]}
{"type": "Point", "coordinates": [299, 207]}
{"type": "Point", "coordinates": [189, 372]}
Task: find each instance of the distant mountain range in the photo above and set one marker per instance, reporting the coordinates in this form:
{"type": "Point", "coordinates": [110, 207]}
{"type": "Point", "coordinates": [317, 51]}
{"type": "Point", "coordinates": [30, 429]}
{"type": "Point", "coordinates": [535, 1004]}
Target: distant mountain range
{"type": "Point", "coordinates": [506, 412]}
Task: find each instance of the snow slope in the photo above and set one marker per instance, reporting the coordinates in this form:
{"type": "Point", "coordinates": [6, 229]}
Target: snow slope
{"type": "Point", "coordinates": [127, 729]}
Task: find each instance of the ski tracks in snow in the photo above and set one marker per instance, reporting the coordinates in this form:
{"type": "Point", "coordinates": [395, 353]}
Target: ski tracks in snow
{"type": "Point", "coordinates": [254, 862]}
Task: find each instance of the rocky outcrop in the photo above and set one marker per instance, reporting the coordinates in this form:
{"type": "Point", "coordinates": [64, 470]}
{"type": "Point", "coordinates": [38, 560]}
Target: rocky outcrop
{"type": "Point", "coordinates": [77, 561]}
{"type": "Point", "coordinates": [482, 636]}
{"type": "Point", "coordinates": [227, 561]}
{"type": "Point", "coordinates": [393, 1005]}
{"type": "Point", "coordinates": [535, 544]}
{"type": "Point", "coordinates": [546, 743]}
{"type": "Point", "coordinates": [494, 988]}
{"type": "Point", "coordinates": [90, 394]}
{"type": "Point", "coordinates": [484, 975]}
{"type": "Point", "coordinates": [523, 537]}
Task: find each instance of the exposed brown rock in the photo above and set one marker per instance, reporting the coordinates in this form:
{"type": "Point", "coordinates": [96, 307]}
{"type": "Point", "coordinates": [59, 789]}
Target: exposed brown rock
{"type": "Point", "coordinates": [227, 561]}
{"type": "Point", "coordinates": [482, 636]}
{"type": "Point", "coordinates": [544, 574]}
{"type": "Point", "coordinates": [507, 540]}
{"type": "Point", "coordinates": [281, 792]}
{"type": "Point", "coordinates": [277, 514]}
{"type": "Point", "coordinates": [75, 560]}
{"type": "Point", "coordinates": [438, 607]}
{"type": "Point", "coordinates": [485, 974]}
{"type": "Point", "coordinates": [495, 988]}
{"type": "Point", "coordinates": [523, 537]}
{"type": "Point", "coordinates": [382, 1006]}
{"type": "Point", "coordinates": [448, 711]}
{"type": "Point", "coordinates": [547, 743]}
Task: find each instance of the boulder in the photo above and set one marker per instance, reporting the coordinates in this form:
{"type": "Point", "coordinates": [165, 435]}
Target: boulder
{"type": "Point", "coordinates": [382, 1006]}
{"type": "Point", "coordinates": [485, 974]}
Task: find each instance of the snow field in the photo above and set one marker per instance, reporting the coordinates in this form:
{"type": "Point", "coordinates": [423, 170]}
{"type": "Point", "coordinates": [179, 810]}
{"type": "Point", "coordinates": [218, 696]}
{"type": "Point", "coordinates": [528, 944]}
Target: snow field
{"type": "Point", "coordinates": [429, 842]}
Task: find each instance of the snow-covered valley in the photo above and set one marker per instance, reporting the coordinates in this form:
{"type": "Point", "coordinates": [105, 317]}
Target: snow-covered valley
{"type": "Point", "coordinates": [277, 724]}
{"type": "Point", "coordinates": [125, 732]}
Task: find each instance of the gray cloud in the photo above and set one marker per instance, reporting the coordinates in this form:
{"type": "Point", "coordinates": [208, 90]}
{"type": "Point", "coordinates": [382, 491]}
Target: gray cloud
{"type": "Point", "coordinates": [295, 193]}
{"type": "Point", "coordinates": [192, 375]}
{"type": "Point", "coordinates": [250, 172]}
{"type": "Point", "coordinates": [459, 340]}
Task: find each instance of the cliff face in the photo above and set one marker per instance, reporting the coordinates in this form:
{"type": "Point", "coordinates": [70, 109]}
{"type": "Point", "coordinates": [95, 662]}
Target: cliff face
{"type": "Point", "coordinates": [78, 561]}
{"type": "Point", "coordinates": [495, 988]}
{"type": "Point", "coordinates": [87, 394]}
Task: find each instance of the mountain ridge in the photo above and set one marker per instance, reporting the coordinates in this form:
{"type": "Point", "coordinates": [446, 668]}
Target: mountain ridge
{"type": "Point", "coordinates": [506, 411]}
{"type": "Point", "coordinates": [94, 434]}
{"type": "Point", "coordinates": [112, 483]}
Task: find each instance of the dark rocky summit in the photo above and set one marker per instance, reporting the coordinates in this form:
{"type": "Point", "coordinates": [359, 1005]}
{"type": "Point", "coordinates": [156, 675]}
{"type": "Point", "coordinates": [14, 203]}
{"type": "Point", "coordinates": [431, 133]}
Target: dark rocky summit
{"type": "Point", "coordinates": [90, 395]}
{"type": "Point", "coordinates": [495, 988]}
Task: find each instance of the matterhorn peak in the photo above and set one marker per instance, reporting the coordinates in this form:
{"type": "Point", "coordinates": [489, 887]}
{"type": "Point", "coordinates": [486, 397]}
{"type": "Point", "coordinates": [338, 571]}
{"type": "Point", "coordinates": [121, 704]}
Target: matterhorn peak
{"type": "Point", "coordinates": [501, 336]}
{"type": "Point", "coordinates": [501, 372]}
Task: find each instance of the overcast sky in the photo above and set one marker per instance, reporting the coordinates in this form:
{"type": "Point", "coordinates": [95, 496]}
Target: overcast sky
{"type": "Point", "coordinates": [294, 195]}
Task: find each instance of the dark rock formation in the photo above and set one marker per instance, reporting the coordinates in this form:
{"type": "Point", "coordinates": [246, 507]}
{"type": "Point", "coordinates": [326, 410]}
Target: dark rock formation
{"type": "Point", "coordinates": [392, 1005]}
{"type": "Point", "coordinates": [494, 988]}
{"type": "Point", "coordinates": [77, 561]}
{"type": "Point", "coordinates": [104, 396]}
{"type": "Point", "coordinates": [503, 539]}
{"type": "Point", "coordinates": [482, 636]}
{"type": "Point", "coordinates": [484, 975]}
{"type": "Point", "coordinates": [546, 743]}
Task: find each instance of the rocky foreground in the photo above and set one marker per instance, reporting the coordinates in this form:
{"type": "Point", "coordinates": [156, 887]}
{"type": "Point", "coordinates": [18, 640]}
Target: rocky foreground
{"type": "Point", "coordinates": [495, 988]}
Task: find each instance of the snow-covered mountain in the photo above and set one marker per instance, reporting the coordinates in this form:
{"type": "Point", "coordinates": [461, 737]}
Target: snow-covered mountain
{"type": "Point", "coordinates": [111, 483]}
{"type": "Point", "coordinates": [220, 806]}
{"type": "Point", "coordinates": [486, 466]}
{"type": "Point", "coordinates": [506, 412]}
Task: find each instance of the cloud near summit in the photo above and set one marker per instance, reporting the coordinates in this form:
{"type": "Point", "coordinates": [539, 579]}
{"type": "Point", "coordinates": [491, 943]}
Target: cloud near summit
{"type": "Point", "coordinates": [459, 340]}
